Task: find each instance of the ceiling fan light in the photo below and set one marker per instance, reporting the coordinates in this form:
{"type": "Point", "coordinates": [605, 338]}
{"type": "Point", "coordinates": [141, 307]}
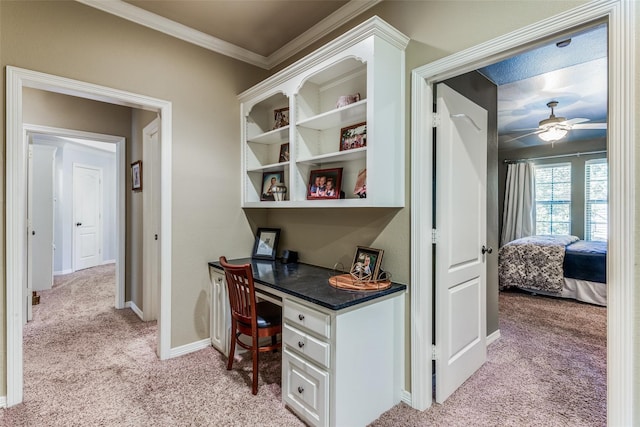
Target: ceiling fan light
{"type": "Point", "coordinates": [552, 134]}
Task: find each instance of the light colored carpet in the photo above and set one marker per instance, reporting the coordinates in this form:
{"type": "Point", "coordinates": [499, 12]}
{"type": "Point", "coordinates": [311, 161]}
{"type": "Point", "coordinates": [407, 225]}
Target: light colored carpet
{"type": "Point", "coordinates": [87, 364]}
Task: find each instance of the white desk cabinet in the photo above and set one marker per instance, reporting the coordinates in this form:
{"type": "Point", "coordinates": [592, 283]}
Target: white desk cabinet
{"type": "Point", "coordinates": [348, 373]}
{"type": "Point", "coordinates": [220, 315]}
{"type": "Point", "coordinates": [342, 351]}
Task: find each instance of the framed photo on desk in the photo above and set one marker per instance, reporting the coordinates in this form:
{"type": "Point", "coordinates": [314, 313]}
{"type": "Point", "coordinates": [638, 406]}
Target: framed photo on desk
{"type": "Point", "coordinates": [266, 245]}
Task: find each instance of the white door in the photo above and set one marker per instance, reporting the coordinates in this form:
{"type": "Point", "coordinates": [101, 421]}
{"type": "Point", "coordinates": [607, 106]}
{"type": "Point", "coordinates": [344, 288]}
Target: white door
{"type": "Point", "coordinates": [87, 216]}
{"type": "Point", "coordinates": [151, 222]}
{"type": "Point", "coordinates": [41, 214]}
{"type": "Point", "coordinates": [461, 174]}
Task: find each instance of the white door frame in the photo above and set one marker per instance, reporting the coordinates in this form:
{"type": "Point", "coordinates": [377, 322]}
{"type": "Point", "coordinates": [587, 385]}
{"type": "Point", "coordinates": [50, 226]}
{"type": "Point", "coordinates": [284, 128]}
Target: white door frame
{"type": "Point", "coordinates": [149, 289]}
{"type": "Point", "coordinates": [16, 181]}
{"type": "Point", "coordinates": [620, 15]}
{"type": "Point", "coordinates": [121, 173]}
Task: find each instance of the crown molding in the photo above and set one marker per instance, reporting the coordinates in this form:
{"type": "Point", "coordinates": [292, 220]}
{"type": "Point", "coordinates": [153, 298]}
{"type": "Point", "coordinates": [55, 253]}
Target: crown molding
{"type": "Point", "coordinates": [156, 22]}
{"type": "Point", "coordinates": [321, 29]}
{"type": "Point", "coordinates": [177, 30]}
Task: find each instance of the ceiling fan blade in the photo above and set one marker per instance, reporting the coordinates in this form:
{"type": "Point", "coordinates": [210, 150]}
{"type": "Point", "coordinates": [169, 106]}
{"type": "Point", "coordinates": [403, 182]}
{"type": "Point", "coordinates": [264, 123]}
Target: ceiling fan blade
{"type": "Point", "coordinates": [574, 121]}
{"type": "Point", "coordinates": [523, 135]}
{"type": "Point", "coordinates": [593, 126]}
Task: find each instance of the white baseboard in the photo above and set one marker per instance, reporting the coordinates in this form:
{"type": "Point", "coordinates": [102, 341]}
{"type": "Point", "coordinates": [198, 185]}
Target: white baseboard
{"type": "Point", "coordinates": [132, 305]}
{"type": "Point", "coordinates": [62, 272]}
{"type": "Point", "coordinates": [405, 396]}
{"type": "Point", "coordinates": [189, 348]}
{"type": "Point", "coordinates": [109, 261]}
{"type": "Point", "coordinates": [3, 401]}
{"type": "Point", "coordinates": [493, 337]}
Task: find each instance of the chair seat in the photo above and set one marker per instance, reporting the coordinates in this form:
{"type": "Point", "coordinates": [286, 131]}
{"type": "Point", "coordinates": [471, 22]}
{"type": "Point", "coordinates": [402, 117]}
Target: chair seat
{"type": "Point", "coordinates": [268, 314]}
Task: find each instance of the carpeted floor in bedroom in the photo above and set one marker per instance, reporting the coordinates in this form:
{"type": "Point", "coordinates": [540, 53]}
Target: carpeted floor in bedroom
{"type": "Point", "coordinates": [87, 364]}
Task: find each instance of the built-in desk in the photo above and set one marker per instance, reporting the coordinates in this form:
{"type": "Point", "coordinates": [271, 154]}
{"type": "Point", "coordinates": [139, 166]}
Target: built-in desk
{"type": "Point", "coordinates": [342, 358]}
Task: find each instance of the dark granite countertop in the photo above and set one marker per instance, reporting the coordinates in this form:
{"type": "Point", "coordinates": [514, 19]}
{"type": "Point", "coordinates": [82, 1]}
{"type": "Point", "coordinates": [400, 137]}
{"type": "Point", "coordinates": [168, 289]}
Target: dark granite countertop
{"type": "Point", "coordinates": [308, 282]}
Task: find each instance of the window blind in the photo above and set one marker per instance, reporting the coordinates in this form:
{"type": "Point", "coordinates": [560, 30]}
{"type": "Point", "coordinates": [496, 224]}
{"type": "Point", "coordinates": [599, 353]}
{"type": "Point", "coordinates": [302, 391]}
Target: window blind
{"type": "Point", "coordinates": [596, 199]}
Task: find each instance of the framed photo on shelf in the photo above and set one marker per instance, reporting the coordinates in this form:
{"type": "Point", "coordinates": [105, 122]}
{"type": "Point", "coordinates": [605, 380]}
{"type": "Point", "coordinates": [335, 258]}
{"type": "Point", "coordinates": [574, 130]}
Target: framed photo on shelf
{"type": "Point", "coordinates": [270, 180]}
{"type": "Point", "coordinates": [266, 245]}
{"type": "Point", "coordinates": [281, 117]}
{"type": "Point", "coordinates": [360, 188]}
{"type": "Point", "coordinates": [136, 176]}
{"type": "Point", "coordinates": [324, 184]}
{"type": "Point", "coordinates": [366, 263]}
{"type": "Point", "coordinates": [354, 136]}
{"type": "Point", "coordinates": [284, 153]}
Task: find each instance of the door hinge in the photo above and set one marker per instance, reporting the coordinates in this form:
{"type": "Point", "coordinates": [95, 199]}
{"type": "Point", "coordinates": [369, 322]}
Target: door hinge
{"type": "Point", "coordinates": [436, 120]}
{"type": "Point", "coordinates": [434, 352]}
{"type": "Point", "coordinates": [434, 236]}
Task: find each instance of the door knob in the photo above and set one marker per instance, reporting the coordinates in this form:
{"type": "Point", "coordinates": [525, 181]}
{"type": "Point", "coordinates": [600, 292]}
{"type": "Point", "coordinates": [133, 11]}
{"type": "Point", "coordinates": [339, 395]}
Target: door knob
{"type": "Point", "coordinates": [78, 224]}
{"type": "Point", "coordinates": [486, 250]}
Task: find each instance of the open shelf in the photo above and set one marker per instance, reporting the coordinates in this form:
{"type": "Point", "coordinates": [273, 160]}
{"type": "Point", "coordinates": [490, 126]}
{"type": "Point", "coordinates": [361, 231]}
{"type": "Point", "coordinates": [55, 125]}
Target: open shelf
{"type": "Point", "coordinates": [367, 63]}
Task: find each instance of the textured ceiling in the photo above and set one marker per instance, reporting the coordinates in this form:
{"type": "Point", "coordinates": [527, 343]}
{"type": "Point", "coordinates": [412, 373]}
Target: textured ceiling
{"type": "Point", "coordinates": [575, 76]}
{"type": "Point", "coordinates": [261, 26]}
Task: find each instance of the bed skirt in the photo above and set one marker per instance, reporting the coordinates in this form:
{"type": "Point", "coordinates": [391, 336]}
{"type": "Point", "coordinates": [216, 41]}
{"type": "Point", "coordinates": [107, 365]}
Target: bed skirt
{"type": "Point", "coordinates": [581, 290]}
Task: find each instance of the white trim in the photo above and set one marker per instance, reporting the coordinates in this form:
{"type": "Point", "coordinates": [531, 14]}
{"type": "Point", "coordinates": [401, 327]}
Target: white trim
{"type": "Point", "coordinates": [493, 337]}
{"type": "Point", "coordinates": [405, 396]}
{"type": "Point", "coordinates": [190, 348]}
{"type": "Point", "coordinates": [167, 26]}
{"type": "Point", "coordinates": [132, 305]}
{"type": "Point", "coordinates": [109, 261]}
{"type": "Point", "coordinates": [372, 26]}
{"type": "Point", "coordinates": [320, 30]}
{"type": "Point", "coordinates": [16, 80]}
{"type": "Point", "coordinates": [3, 401]}
{"type": "Point", "coordinates": [119, 143]}
{"type": "Point", "coordinates": [621, 135]}
{"type": "Point", "coordinates": [149, 289]}
{"type": "Point", "coordinates": [177, 30]}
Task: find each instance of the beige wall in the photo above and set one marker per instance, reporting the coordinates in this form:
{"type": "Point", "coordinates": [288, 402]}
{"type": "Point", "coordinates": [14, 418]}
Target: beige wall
{"type": "Point", "coordinates": [76, 41]}
{"type": "Point", "coordinates": [73, 40]}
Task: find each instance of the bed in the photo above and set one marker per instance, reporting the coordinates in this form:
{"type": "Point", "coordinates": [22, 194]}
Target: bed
{"type": "Point", "coordinates": [561, 266]}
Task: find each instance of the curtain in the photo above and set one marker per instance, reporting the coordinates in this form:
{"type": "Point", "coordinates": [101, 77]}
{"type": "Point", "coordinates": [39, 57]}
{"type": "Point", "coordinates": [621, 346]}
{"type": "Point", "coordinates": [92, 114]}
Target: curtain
{"type": "Point", "coordinates": [519, 201]}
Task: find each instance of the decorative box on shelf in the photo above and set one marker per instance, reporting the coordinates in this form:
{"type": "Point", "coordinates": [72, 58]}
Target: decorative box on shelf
{"type": "Point", "coordinates": [344, 109]}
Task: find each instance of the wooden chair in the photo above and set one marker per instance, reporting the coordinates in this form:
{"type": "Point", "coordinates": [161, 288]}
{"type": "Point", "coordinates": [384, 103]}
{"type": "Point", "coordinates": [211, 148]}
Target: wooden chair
{"type": "Point", "coordinates": [257, 320]}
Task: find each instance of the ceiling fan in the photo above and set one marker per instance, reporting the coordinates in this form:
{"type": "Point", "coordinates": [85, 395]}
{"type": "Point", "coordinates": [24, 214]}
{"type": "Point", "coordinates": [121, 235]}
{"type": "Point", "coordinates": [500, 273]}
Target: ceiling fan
{"type": "Point", "coordinates": [555, 128]}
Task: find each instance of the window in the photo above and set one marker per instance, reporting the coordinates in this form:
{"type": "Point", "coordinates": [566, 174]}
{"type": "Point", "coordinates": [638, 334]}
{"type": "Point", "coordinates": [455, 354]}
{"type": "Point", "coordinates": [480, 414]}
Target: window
{"type": "Point", "coordinates": [553, 199]}
{"type": "Point", "coordinates": [596, 199]}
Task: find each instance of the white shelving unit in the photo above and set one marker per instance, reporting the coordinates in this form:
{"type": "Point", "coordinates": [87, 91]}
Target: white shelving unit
{"type": "Point", "coordinates": [369, 61]}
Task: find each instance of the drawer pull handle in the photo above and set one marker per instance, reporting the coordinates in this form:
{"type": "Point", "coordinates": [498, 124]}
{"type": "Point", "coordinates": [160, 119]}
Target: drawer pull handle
{"type": "Point", "coordinates": [301, 316]}
{"type": "Point", "coordinates": [300, 344]}
{"type": "Point", "coordinates": [300, 389]}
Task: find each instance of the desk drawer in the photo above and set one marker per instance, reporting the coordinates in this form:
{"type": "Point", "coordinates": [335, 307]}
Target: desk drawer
{"type": "Point", "coordinates": [310, 347]}
{"type": "Point", "coordinates": [307, 318]}
{"type": "Point", "coordinates": [305, 389]}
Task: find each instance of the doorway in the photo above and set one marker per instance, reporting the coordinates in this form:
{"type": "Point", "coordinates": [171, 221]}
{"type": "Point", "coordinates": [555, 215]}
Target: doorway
{"type": "Point", "coordinates": [92, 139]}
{"type": "Point", "coordinates": [16, 262]}
{"type": "Point", "coordinates": [619, 16]}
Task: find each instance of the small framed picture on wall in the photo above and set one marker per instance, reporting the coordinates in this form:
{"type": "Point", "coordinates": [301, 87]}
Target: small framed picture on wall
{"type": "Point", "coordinates": [136, 176]}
